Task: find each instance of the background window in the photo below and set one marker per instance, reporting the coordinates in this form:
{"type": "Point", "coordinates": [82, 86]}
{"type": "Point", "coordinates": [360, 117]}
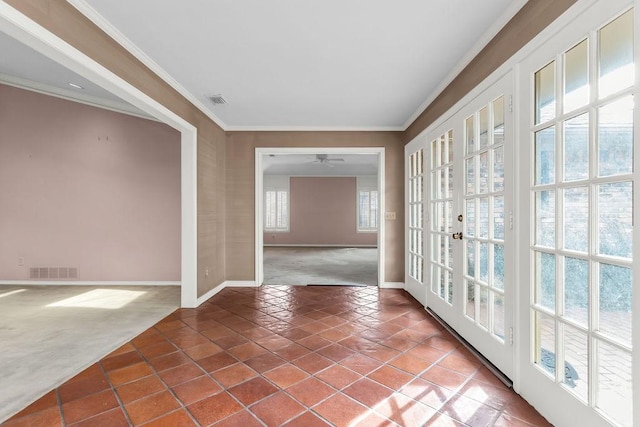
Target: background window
{"type": "Point", "coordinates": [367, 210]}
{"type": "Point", "coordinates": [276, 210]}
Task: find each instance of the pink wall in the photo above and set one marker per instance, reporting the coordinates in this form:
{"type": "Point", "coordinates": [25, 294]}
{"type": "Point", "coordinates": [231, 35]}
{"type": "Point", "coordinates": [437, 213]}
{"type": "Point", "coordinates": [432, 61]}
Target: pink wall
{"type": "Point", "coordinates": [88, 188]}
{"type": "Point", "coordinates": [323, 212]}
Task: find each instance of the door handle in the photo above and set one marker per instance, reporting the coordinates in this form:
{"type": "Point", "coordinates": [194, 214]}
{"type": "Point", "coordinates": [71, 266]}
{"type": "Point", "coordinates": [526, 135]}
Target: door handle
{"type": "Point", "coordinates": [457, 236]}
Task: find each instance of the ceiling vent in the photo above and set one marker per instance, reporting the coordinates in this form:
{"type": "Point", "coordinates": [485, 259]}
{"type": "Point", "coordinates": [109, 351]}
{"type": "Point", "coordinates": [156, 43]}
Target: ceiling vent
{"type": "Point", "coordinates": [217, 99]}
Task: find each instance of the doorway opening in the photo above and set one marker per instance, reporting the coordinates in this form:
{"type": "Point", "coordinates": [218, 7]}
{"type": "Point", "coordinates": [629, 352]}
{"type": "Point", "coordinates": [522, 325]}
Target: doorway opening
{"type": "Point", "coordinates": [319, 216]}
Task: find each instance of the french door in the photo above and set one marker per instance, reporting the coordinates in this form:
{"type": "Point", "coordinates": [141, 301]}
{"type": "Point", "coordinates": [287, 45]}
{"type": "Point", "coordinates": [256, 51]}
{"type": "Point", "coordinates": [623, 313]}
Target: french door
{"type": "Point", "coordinates": [469, 243]}
{"type": "Point", "coordinates": [414, 169]}
{"type": "Point", "coordinates": [578, 145]}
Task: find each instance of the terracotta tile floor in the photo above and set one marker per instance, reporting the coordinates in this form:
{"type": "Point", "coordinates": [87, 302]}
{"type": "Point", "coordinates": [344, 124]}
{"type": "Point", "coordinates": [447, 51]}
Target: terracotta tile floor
{"type": "Point", "coordinates": [294, 356]}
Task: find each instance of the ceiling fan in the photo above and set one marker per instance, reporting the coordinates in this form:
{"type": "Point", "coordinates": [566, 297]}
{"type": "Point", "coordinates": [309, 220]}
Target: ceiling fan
{"type": "Point", "coordinates": [324, 159]}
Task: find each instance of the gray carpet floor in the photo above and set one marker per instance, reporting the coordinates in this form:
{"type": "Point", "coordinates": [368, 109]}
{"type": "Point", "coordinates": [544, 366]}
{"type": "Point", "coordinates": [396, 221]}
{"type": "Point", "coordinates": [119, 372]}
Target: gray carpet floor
{"type": "Point", "coordinates": [320, 266]}
{"type": "Point", "coordinates": [50, 333]}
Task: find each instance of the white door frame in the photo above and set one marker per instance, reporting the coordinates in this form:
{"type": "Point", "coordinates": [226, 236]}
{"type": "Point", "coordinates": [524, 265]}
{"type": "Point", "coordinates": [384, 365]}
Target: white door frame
{"type": "Point", "coordinates": [43, 41]}
{"type": "Point", "coordinates": [259, 196]}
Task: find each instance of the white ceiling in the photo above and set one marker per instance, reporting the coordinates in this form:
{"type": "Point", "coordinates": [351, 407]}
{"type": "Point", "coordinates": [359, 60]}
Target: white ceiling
{"type": "Point", "coordinates": [313, 64]}
{"type": "Point", "coordinates": [308, 165]}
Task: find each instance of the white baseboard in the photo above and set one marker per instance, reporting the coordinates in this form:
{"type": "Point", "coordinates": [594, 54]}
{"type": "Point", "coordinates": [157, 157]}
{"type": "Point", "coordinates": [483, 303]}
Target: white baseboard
{"type": "Point", "coordinates": [86, 283]}
{"type": "Point", "coordinates": [392, 285]}
{"type": "Point", "coordinates": [209, 294]}
{"type": "Point", "coordinates": [240, 284]}
{"type": "Point", "coordinates": [223, 285]}
{"type": "Point", "coordinates": [317, 246]}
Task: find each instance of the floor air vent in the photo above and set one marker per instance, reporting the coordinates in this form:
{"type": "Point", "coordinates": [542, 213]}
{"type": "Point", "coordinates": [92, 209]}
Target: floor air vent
{"type": "Point", "coordinates": [53, 273]}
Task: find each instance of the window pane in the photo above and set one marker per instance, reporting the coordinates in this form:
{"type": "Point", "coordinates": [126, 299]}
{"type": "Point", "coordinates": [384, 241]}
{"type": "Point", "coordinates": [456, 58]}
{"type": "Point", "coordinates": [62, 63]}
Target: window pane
{"type": "Point", "coordinates": [576, 290]}
{"type": "Point", "coordinates": [483, 315]}
{"type": "Point", "coordinates": [615, 216]}
{"type": "Point", "coordinates": [374, 206]}
{"type": "Point", "coordinates": [283, 209]}
{"type": "Point", "coordinates": [546, 218]}
{"type": "Point", "coordinates": [483, 117]}
{"type": "Point", "coordinates": [471, 217]}
{"type": "Point", "coordinates": [576, 77]}
{"type": "Point", "coordinates": [483, 229]}
{"type": "Point", "coordinates": [364, 209]}
{"type": "Point", "coordinates": [484, 262]}
{"type": "Point", "coordinates": [498, 267]}
{"type": "Point", "coordinates": [483, 185]}
{"type": "Point", "coordinates": [546, 156]}
{"type": "Point", "coordinates": [498, 314]}
{"type": "Point", "coordinates": [470, 134]}
{"type": "Point", "coordinates": [471, 179]}
{"type": "Point", "coordinates": [616, 55]}
{"type": "Point", "coordinates": [545, 292]}
{"type": "Point", "coordinates": [498, 169]}
{"type": "Point", "coordinates": [576, 362]}
{"type": "Point", "coordinates": [498, 218]}
{"type": "Point", "coordinates": [444, 149]}
{"type": "Point", "coordinates": [545, 343]}
{"type": "Point", "coordinates": [470, 307]}
{"type": "Point", "coordinates": [545, 93]}
{"type": "Point", "coordinates": [615, 302]}
{"type": "Point", "coordinates": [471, 258]}
{"type": "Point", "coordinates": [576, 148]}
{"type": "Point", "coordinates": [498, 120]}
{"type": "Point", "coordinates": [614, 383]}
{"type": "Point", "coordinates": [615, 137]}
{"type": "Point", "coordinates": [576, 219]}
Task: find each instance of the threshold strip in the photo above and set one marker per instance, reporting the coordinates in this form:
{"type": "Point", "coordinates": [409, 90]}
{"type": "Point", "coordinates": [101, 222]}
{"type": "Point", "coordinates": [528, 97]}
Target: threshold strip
{"type": "Point", "coordinates": [490, 366]}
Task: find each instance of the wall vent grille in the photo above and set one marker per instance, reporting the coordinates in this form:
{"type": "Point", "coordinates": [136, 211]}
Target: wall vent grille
{"type": "Point", "coordinates": [53, 273]}
{"type": "Point", "coordinates": [217, 99]}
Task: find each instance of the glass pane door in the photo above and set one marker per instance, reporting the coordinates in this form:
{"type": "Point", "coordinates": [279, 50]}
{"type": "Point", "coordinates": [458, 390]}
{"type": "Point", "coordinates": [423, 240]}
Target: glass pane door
{"type": "Point", "coordinates": [487, 200]}
{"type": "Point", "coordinates": [442, 206]}
{"type": "Point", "coordinates": [470, 267]}
{"type": "Point", "coordinates": [581, 195]}
{"type": "Point", "coordinates": [484, 201]}
{"type": "Point", "coordinates": [416, 258]}
{"type": "Point", "coordinates": [415, 220]}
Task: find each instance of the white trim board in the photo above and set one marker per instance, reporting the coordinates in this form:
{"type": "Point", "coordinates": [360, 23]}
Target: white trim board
{"type": "Point", "coordinates": [393, 285]}
{"type": "Point", "coordinates": [23, 29]}
{"type": "Point", "coordinates": [85, 283]}
{"type": "Point", "coordinates": [302, 245]}
{"type": "Point", "coordinates": [227, 284]}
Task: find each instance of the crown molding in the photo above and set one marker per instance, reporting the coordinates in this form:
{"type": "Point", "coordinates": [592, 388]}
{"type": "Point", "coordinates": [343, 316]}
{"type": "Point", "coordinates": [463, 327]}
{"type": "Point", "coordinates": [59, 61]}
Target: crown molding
{"type": "Point", "coordinates": [93, 15]}
{"type": "Point", "coordinates": [508, 14]}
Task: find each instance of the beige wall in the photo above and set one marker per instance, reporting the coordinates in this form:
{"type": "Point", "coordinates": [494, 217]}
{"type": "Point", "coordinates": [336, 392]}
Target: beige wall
{"type": "Point", "coordinates": [66, 22]}
{"type": "Point", "coordinates": [322, 211]}
{"type": "Point", "coordinates": [87, 188]}
{"type": "Point", "coordinates": [240, 191]}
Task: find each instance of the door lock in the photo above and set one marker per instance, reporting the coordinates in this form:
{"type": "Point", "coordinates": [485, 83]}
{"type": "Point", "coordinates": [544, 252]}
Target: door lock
{"type": "Point", "coordinates": [457, 236]}
{"type": "Point", "coordinates": [460, 218]}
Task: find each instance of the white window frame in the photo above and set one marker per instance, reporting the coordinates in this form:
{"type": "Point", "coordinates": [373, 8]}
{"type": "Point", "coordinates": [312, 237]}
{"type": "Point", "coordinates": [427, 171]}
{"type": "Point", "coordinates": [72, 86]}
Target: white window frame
{"type": "Point", "coordinates": [367, 184]}
{"type": "Point", "coordinates": [277, 184]}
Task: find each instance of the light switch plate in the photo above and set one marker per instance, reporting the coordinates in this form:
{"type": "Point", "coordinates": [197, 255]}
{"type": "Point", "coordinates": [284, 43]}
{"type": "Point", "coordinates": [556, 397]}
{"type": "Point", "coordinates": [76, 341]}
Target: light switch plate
{"type": "Point", "coordinates": [389, 215]}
